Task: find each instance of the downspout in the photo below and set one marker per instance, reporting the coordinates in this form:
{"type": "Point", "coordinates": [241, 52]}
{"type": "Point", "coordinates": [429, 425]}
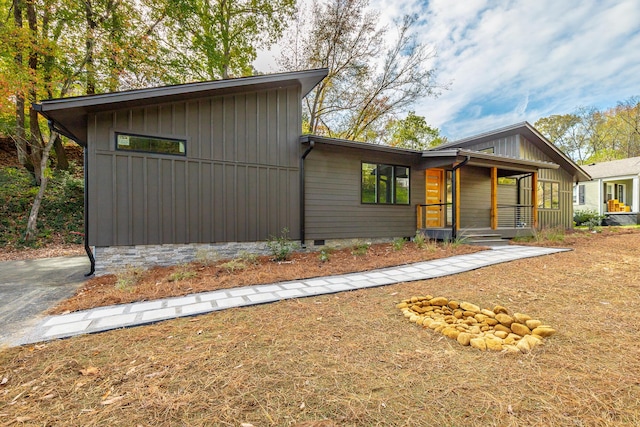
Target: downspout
{"type": "Point", "coordinates": [302, 204]}
{"type": "Point", "coordinates": [454, 195]}
{"type": "Point", "coordinates": [87, 248]}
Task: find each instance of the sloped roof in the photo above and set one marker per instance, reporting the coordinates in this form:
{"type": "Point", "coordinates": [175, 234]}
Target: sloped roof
{"type": "Point", "coordinates": [532, 135]}
{"type": "Point", "coordinates": [622, 167]}
{"type": "Point", "coordinates": [69, 115]}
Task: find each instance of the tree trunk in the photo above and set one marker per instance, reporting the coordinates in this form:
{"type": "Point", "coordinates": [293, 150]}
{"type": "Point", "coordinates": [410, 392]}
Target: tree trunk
{"type": "Point", "coordinates": [32, 229]}
{"type": "Point", "coordinates": [62, 162]}
{"type": "Point", "coordinates": [89, 47]}
{"type": "Point", "coordinates": [36, 137]}
{"type": "Point", "coordinates": [20, 132]}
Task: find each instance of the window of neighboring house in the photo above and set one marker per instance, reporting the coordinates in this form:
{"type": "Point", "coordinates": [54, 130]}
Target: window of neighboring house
{"type": "Point", "coordinates": [609, 194]}
{"type": "Point", "coordinates": [151, 144]}
{"type": "Point", "coordinates": [621, 191]}
{"type": "Point", "coordinates": [578, 194]}
{"type": "Point", "coordinates": [548, 195]}
{"type": "Point", "coordinates": [385, 184]}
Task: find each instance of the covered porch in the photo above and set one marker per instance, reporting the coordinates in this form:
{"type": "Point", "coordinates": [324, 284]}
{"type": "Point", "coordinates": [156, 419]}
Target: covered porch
{"type": "Point", "coordinates": [479, 195]}
{"type": "Point", "coordinates": [621, 204]}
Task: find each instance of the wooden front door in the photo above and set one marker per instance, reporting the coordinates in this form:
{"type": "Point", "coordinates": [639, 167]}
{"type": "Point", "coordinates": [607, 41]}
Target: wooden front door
{"type": "Point", "coordinates": [434, 198]}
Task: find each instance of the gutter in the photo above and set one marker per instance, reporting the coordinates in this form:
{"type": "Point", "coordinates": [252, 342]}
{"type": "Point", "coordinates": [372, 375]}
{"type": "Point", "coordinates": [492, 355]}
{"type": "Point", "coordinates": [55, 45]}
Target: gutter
{"type": "Point", "coordinates": [454, 196]}
{"type": "Point", "coordinates": [302, 193]}
{"type": "Point", "coordinates": [61, 130]}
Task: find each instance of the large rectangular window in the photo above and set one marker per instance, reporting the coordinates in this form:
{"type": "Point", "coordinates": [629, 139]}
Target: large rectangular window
{"type": "Point", "coordinates": [150, 144]}
{"type": "Point", "coordinates": [548, 195]}
{"type": "Point", "coordinates": [385, 184]}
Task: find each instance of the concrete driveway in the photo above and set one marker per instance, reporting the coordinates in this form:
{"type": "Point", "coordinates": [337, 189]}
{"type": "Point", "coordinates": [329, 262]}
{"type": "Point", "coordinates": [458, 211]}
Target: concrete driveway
{"type": "Point", "coordinates": [30, 287]}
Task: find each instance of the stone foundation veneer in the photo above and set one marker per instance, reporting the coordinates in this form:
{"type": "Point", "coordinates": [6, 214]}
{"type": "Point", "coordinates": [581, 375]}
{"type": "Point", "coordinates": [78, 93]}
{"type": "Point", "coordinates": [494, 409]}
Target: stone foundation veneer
{"type": "Point", "coordinates": [112, 259]}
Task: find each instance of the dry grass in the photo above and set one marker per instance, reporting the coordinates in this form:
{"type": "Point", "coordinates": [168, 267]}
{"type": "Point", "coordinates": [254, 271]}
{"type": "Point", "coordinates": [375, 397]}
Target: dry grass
{"type": "Point", "coordinates": [353, 359]}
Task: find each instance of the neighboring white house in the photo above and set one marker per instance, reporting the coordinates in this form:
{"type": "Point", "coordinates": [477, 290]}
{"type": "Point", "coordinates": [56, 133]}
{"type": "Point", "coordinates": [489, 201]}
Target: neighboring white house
{"type": "Point", "coordinates": [613, 191]}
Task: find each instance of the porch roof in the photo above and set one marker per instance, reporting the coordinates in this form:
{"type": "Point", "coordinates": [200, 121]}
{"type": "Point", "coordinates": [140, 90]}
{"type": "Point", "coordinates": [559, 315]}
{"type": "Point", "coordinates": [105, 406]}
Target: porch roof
{"type": "Point", "coordinates": [532, 135]}
{"type": "Point", "coordinates": [477, 158]}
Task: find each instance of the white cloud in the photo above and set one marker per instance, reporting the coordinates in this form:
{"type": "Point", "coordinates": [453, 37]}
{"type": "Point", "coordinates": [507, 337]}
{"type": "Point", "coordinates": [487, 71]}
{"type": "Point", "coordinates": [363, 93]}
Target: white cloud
{"type": "Point", "coordinates": [515, 61]}
{"type": "Point", "coordinates": [510, 61]}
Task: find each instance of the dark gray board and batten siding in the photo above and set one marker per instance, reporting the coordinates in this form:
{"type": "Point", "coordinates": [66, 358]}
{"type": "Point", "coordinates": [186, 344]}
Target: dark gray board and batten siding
{"type": "Point", "coordinates": [239, 180]}
{"type": "Point", "coordinates": [333, 208]}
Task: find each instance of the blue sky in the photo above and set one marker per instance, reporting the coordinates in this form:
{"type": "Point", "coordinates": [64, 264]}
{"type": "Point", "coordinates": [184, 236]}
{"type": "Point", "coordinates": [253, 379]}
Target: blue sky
{"type": "Point", "coordinates": [511, 61]}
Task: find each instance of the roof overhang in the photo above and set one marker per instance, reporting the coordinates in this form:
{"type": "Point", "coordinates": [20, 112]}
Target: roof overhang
{"type": "Point", "coordinates": [477, 158]}
{"type": "Point", "coordinates": [306, 139]}
{"type": "Point", "coordinates": [69, 115]}
{"type": "Point", "coordinates": [530, 133]}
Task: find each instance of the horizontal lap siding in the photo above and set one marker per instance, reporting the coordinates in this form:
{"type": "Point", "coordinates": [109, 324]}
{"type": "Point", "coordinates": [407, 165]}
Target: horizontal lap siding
{"type": "Point", "coordinates": [332, 190]}
{"type": "Point", "coordinates": [475, 197]}
{"type": "Point", "coordinates": [238, 182]}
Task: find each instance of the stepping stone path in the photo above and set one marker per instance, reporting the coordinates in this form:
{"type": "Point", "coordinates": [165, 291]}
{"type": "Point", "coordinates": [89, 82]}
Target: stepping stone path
{"type": "Point", "coordinates": [468, 324]}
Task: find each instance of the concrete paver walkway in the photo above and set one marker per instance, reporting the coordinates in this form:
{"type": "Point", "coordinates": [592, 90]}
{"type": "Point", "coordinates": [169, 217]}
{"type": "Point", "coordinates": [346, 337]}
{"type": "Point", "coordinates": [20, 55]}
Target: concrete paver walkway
{"type": "Point", "coordinates": [140, 313]}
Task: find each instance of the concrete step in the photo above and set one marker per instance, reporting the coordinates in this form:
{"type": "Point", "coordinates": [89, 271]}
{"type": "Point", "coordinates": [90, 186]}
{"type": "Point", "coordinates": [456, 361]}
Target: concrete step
{"type": "Point", "coordinates": [485, 239]}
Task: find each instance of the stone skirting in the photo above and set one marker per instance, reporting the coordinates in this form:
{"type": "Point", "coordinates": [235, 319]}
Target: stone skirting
{"type": "Point", "coordinates": [112, 259]}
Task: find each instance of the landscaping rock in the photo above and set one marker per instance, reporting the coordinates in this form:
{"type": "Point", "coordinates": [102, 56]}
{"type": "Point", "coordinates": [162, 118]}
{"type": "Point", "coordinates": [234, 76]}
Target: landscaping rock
{"type": "Point", "coordinates": [482, 329]}
{"type": "Point", "coordinates": [520, 329]}
{"type": "Point", "coordinates": [505, 319]}
{"type": "Point", "coordinates": [467, 306]}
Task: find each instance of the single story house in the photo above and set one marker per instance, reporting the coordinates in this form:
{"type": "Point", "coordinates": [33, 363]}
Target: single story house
{"type": "Point", "coordinates": [172, 172]}
{"type": "Point", "coordinates": [613, 191]}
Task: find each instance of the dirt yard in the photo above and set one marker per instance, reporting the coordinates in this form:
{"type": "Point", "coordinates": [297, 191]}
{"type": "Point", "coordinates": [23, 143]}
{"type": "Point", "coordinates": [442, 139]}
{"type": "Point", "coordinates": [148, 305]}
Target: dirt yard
{"type": "Point", "coordinates": [353, 359]}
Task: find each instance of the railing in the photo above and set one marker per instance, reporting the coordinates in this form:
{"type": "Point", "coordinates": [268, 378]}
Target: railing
{"type": "Point", "coordinates": [428, 215]}
{"type": "Point", "coordinates": [436, 215]}
{"type": "Point", "coordinates": [515, 216]}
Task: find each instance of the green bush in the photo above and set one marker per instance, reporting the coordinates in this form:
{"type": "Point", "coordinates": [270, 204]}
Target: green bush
{"type": "Point", "coordinates": [399, 243]}
{"type": "Point", "coordinates": [61, 213]}
{"type": "Point", "coordinates": [588, 217]}
{"type": "Point", "coordinates": [281, 247]}
{"type": "Point", "coordinates": [360, 248]}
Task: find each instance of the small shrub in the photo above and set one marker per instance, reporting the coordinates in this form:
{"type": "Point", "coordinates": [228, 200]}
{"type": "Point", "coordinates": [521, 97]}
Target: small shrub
{"type": "Point", "coordinates": [128, 278]}
{"type": "Point", "coordinates": [207, 256]}
{"type": "Point", "coordinates": [183, 273]}
{"type": "Point", "coordinates": [454, 243]}
{"type": "Point", "coordinates": [398, 243]}
{"type": "Point", "coordinates": [281, 247]}
{"type": "Point", "coordinates": [588, 217]}
{"type": "Point", "coordinates": [233, 266]}
{"type": "Point", "coordinates": [421, 242]}
{"type": "Point", "coordinates": [549, 235]}
{"type": "Point", "coordinates": [360, 249]}
{"type": "Point", "coordinates": [325, 254]}
{"type": "Point", "coordinates": [248, 258]}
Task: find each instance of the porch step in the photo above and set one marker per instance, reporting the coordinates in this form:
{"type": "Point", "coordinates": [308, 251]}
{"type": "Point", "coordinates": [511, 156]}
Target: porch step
{"type": "Point", "coordinates": [485, 240]}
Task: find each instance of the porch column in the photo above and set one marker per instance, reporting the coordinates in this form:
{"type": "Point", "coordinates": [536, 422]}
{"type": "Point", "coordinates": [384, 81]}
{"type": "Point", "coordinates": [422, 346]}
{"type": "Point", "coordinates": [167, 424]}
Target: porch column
{"type": "Point", "coordinates": [494, 198]}
{"type": "Point", "coordinates": [457, 200]}
{"type": "Point", "coordinates": [601, 203]}
{"type": "Point", "coordinates": [534, 198]}
{"type": "Point", "coordinates": [634, 195]}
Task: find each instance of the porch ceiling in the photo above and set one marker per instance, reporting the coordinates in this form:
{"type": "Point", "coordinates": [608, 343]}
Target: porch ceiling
{"type": "Point", "coordinates": [476, 158]}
